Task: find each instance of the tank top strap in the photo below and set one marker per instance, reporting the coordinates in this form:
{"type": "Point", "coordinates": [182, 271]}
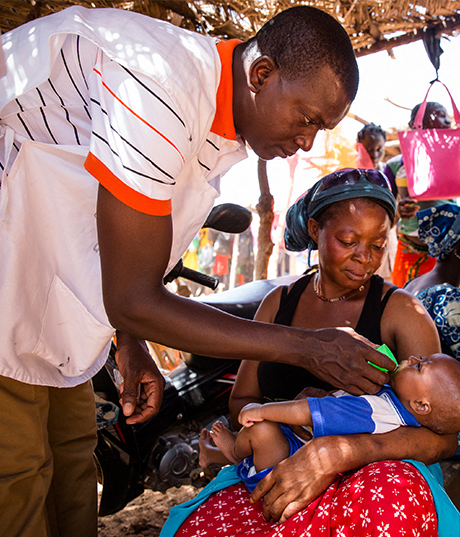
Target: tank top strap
{"type": "Point", "coordinates": [290, 299]}
{"type": "Point", "coordinates": [384, 302]}
{"type": "Point", "coordinates": [369, 320]}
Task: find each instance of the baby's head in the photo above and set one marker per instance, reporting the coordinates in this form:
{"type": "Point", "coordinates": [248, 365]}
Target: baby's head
{"type": "Point", "coordinates": [430, 389]}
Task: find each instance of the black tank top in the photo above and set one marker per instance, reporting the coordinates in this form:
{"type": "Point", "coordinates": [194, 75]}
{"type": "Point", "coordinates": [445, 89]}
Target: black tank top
{"type": "Point", "coordinates": [283, 381]}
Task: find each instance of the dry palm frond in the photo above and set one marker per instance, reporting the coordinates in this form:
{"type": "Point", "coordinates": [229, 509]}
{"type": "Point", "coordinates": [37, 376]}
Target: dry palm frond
{"type": "Point", "coordinates": [372, 25]}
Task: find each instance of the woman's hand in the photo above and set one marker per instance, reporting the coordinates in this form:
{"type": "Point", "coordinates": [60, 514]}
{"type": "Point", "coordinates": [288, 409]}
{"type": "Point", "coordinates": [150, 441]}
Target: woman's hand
{"type": "Point", "coordinates": [142, 389]}
{"type": "Point", "coordinates": [298, 480]}
{"type": "Point", "coordinates": [310, 391]}
{"type": "Point", "coordinates": [407, 208]}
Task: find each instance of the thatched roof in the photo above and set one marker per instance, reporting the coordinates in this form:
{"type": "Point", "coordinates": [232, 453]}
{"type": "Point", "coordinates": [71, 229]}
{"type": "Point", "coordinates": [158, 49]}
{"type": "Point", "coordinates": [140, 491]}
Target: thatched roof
{"type": "Point", "coordinates": [372, 24]}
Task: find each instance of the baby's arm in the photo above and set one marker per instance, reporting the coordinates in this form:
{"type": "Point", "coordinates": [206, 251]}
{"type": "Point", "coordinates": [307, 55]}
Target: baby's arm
{"type": "Point", "coordinates": [289, 412]}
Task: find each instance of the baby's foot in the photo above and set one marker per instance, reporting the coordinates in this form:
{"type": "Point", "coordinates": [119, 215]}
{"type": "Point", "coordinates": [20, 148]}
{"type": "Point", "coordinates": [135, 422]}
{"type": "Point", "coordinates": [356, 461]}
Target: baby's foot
{"type": "Point", "coordinates": [224, 440]}
{"type": "Point", "coordinates": [206, 449]}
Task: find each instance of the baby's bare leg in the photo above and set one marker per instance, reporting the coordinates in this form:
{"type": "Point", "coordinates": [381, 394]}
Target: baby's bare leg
{"type": "Point", "coordinates": [264, 440]}
{"type": "Point", "coordinates": [209, 453]}
{"type": "Point", "coordinates": [225, 440]}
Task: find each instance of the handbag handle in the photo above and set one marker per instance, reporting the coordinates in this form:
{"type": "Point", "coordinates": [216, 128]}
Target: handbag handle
{"type": "Point", "coordinates": [418, 122]}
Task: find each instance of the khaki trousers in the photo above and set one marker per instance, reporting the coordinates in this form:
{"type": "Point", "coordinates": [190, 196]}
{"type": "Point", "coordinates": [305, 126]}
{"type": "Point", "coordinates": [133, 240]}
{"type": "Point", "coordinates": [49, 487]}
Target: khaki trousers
{"type": "Point", "coordinates": [48, 482]}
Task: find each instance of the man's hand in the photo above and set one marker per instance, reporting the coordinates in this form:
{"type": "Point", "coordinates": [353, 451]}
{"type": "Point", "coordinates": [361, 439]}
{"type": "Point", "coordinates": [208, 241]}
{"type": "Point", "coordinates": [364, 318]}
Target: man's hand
{"type": "Point", "coordinates": [298, 480]}
{"type": "Point", "coordinates": [250, 414]}
{"type": "Point", "coordinates": [142, 389]}
{"type": "Point", "coordinates": [344, 361]}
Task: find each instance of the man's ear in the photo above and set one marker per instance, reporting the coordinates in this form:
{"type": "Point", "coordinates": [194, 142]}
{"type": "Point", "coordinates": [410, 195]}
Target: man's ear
{"type": "Point", "coordinates": [259, 71]}
{"type": "Point", "coordinates": [423, 408]}
{"type": "Point", "coordinates": [313, 228]}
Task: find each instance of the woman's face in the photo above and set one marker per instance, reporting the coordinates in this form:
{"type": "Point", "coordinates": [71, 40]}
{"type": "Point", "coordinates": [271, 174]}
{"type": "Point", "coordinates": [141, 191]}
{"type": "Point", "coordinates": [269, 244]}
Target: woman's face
{"type": "Point", "coordinates": [351, 242]}
{"type": "Point", "coordinates": [436, 117]}
{"type": "Point", "coordinates": [375, 146]}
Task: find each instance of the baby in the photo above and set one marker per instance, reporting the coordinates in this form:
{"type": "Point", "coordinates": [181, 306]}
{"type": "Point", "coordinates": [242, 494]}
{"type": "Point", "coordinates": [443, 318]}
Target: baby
{"type": "Point", "coordinates": [422, 391]}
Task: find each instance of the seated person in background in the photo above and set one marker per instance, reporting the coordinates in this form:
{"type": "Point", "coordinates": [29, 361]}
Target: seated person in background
{"type": "Point", "coordinates": [422, 392]}
{"type": "Point", "coordinates": [412, 258]}
{"type": "Point", "coordinates": [439, 289]}
{"type": "Point", "coordinates": [370, 146]}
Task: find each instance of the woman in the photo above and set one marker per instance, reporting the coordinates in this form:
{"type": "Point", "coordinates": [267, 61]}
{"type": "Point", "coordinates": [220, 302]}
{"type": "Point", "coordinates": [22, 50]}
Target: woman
{"type": "Point", "coordinates": [439, 289]}
{"type": "Point", "coordinates": [370, 146]}
{"type": "Point", "coordinates": [347, 217]}
{"type": "Point", "coordinates": [412, 257]}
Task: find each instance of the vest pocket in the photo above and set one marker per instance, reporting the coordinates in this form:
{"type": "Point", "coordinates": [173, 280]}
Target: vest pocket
{"type": "Point", "coordinates": [71, 338]}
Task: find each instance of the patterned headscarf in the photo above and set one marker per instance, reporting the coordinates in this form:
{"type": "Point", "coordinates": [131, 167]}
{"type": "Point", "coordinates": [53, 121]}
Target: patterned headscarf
{"type": "Point", "coordinates": [439, 229]}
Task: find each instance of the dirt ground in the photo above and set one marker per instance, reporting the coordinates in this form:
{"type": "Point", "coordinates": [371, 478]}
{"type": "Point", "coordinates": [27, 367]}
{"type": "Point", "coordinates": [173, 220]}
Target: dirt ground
{"type": "Point", "coordinates": [145, 515]}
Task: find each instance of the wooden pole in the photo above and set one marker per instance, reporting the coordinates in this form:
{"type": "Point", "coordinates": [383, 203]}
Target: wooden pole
{"type": "Point", "coordinates": [266, 216]}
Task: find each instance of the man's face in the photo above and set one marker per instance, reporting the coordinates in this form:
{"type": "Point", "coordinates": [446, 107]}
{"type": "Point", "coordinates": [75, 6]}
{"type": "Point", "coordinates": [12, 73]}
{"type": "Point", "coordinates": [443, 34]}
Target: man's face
{"type": "Point", "coordinates": [285, 116]}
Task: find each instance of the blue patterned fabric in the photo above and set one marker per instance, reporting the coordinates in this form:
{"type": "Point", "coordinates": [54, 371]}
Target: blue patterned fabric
{"type": "Point", "coordinates": [439, 229]}
{"type": "Point", "coordinates": [443, 304]}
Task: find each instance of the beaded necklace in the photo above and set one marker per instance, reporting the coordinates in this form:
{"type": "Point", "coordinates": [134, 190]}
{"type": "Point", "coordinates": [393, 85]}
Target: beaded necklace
{"type": "Point", "coordinates": [337, 299]}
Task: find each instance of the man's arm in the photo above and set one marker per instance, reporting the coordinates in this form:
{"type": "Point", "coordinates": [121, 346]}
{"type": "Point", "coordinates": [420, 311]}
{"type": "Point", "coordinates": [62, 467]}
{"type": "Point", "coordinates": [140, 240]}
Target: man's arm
{"type": "Point", "coordinates": [135, 249]}
{"type": "Point", "coordinates": [298, 480]}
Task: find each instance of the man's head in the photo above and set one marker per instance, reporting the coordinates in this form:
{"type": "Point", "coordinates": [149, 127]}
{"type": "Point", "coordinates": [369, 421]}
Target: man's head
{"type": "Point", "coordinates": [429, 388]}
{"type": "Point", "coordinates": [302, 40]}
{"type": "Point", "coordinates": [299, 75]}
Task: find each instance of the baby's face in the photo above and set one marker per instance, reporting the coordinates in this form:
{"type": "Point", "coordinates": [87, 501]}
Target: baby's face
{"type": "Point", "coordinates": [418, 378]}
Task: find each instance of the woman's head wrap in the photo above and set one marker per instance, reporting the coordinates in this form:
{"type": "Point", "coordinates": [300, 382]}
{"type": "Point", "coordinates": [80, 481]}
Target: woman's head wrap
{"type": "Point", "coordinates": [318, 198]}
{"type": "Point", "coordinates": [439, 229]}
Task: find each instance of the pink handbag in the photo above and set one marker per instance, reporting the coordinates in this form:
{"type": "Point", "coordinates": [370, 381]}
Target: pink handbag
{"type": "Point", "coordinates": [432, 157]}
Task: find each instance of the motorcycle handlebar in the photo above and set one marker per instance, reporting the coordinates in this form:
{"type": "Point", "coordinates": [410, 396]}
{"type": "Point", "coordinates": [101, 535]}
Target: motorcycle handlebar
{"type": "Point", "coordinates": [179, 271]}
{"type": "Point", "coordinates": [204, 279]}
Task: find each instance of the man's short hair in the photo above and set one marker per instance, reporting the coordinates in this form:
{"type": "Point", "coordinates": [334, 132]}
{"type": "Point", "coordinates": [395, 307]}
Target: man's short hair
{"type": "Point", "coordinates": [303, 39]}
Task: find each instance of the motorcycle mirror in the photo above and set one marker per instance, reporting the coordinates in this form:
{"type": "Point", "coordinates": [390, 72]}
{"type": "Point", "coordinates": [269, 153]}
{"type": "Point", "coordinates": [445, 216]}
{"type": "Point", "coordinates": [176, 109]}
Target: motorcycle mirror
{"type": "Point", "coordinates": [229, 218]}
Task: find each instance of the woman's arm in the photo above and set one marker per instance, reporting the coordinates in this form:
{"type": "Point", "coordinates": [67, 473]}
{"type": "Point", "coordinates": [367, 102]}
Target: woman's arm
{"type": "Point", "coordinates": [298, 480]}
{"type": "Point", "coordinates": [407, 328]}
{"type": "Point", "coordinates": [245, 391]}
{"type": "Point", "coordinates": [246, 387]}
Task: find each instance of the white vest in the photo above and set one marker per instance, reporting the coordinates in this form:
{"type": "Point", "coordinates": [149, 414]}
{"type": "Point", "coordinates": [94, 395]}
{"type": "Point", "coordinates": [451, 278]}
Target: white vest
{"type": "Point", "coordinates": [54, 330]}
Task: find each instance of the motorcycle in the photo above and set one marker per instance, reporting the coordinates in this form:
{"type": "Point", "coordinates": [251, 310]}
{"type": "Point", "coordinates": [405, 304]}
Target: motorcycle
{"type": "Point", "coordinates": [164, 451]}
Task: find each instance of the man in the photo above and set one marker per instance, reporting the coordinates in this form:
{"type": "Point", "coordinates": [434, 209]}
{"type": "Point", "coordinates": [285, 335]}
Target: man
{"type": "Point", "coordinates": [117, 121]}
